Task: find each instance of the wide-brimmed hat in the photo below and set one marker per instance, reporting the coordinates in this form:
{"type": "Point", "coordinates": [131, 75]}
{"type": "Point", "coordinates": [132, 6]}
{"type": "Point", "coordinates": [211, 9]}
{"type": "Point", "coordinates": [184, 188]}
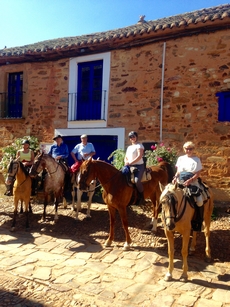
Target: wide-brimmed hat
{"type": "Point", "coordinates": [84, 136]}
{"type": "Point", "coordinates": [25, 142]}
{"type": "Point", "coordinates": [57, 136]}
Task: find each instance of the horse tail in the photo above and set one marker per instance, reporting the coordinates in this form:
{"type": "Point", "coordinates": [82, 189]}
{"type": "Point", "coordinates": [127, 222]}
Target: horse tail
{"type": "Point", "coordinates": [169, 169]}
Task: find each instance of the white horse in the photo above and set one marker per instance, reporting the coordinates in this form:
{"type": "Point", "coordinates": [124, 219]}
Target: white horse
{"type": "Point", "coordinates": [90, 191]}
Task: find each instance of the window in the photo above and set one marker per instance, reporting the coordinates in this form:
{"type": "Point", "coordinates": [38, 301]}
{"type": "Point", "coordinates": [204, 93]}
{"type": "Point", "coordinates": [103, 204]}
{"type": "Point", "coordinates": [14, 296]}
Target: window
{"type": "Point", "coordinates": [88, 90]}
{"type": "Point", "coordinates": [11, 101]}
{"type": "Point", "coordinates": [223, 106]}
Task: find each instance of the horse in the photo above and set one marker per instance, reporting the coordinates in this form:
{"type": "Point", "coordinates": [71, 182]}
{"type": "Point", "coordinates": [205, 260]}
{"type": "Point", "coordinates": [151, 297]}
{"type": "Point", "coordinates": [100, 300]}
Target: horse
{"type": "Point", "coordinates": [177, 215]}
{"type": "Point", "coordinates": [117, 194]}
{"type": "Point", "coordinates": [54, 179]}
{"type": "Point", "coordinates": [18, 174]}
{"type": "Point", "coordinates": [90, 191]}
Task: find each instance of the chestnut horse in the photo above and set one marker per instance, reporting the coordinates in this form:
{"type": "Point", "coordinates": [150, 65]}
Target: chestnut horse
{"type": "Point", "coordinates": [54, 180]}
{"type": "Point", "coordinates": [117, 194]}
{"type": "Point", "coordinates": [21, 188]}
{"type": "Point", "coordinates": [177, 214]}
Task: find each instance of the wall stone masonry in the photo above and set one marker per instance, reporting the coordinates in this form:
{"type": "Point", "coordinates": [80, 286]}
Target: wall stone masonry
{"type": "Point", "coordinates": [196, 68]}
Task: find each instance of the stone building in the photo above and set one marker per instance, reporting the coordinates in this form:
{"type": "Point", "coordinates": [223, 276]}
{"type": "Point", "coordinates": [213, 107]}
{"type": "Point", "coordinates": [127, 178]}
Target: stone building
{"type": "Point", "coordinates": [167, 79]}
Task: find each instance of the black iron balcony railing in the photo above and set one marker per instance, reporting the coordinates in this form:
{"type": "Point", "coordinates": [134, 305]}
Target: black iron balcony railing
{"type": "Point", "coordinates": [87, 105]}
{"type": "Point", "coordinates": [11, 105]}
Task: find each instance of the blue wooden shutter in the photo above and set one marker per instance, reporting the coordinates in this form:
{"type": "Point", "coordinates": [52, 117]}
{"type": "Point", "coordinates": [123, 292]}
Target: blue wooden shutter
{"type": "Point", "coordinates": [89, 90]}
{"type": "Point", "coordinates": [15, 94]}
{"type": "Point", "coordinates": [223, 106]}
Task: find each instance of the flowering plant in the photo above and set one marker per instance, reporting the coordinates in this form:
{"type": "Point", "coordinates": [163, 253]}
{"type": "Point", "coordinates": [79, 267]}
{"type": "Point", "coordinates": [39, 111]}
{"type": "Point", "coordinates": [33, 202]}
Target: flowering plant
{"type": "Point", "coordinates": [161, 153]}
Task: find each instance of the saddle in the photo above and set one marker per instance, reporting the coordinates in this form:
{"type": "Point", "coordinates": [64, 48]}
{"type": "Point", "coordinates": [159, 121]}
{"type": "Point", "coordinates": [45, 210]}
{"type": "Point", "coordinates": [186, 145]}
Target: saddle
{"type": "Point", "coordinates": [129, 173]}
{"type": "Point", "coordinates": [191, 192]}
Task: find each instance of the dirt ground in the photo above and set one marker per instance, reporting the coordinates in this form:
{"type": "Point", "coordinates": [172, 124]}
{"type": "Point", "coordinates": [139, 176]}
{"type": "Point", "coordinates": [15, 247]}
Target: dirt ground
{"type": "Point", "coordinates": [96, 228]}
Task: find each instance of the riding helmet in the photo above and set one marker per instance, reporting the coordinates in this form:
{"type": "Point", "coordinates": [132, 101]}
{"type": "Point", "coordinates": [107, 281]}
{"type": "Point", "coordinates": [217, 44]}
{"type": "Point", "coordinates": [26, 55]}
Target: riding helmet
{"type": "Point", "coordinates": [25, 142]}
{"type": "Point", "coordinates": [133, 133]}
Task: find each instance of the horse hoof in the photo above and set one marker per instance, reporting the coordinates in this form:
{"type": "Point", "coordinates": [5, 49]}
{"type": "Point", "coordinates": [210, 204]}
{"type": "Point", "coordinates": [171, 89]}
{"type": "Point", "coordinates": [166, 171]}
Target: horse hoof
{"type": "Point", "coordinates": [12, 229]}
{"type": "Point", "coordinates": [107, 243]}
{"type": "Point", "coordinates": [88, 218]}
{"type": "Point", "coordinates": [126, 248]}
{"type": "Point", "coordinates": [208, 259]}
{"type": "Point", "coordinates": [168, 277]}
{"type": "Point", "coordinates": [183, 278]}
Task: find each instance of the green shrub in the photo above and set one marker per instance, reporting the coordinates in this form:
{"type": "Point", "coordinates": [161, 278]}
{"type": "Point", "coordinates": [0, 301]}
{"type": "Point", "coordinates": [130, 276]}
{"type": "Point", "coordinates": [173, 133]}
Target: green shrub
{"type": "Point", "coordinates": [161, 153]}
{"type": "Point", "coordinates": [10, 151]}
{"type": "Point", "coordinates": [157, 154]}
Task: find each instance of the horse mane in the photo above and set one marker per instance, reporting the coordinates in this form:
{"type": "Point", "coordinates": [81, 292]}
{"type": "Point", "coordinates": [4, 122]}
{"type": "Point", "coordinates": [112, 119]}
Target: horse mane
{"type": "Point", "coordinates": [25, 171]}
{"type": "Point", "coordinates": [168, 168]}
{"type": "Point", "coordinates": [106, 164]}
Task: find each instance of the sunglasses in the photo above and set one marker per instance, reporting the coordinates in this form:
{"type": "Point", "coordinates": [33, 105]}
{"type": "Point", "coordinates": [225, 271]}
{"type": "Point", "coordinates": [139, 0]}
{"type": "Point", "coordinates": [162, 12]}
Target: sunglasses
{"type": "Point", "coordinates": [189, 149]}
{"type": "Point", "coordinates": [132, 136]}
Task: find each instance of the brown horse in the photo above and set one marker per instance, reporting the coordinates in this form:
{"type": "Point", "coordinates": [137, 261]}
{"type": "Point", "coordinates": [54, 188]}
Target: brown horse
{"type": "Point", "coordinates": [21, 188]}
{"type": "Point", "coordinates": [54, 180]}
{"type": "Point", "coordinates": [117, 194]}
{"type": "Point", "coordinates": [177, 214]}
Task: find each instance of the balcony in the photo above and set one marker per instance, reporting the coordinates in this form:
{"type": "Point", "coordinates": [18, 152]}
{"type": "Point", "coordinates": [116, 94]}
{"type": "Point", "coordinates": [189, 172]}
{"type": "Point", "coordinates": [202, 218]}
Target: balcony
{"type": "Point", "coordinates": [87, 106]}
{"type": "Point", "coordinates": [11, 105]}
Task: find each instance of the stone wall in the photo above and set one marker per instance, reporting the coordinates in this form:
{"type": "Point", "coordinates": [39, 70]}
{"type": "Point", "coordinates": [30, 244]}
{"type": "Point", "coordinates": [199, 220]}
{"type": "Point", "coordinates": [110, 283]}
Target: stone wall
{"type": "Point", "coordinates": [45, 100]}
{"type": "Point", "coordinates": [196, 68]}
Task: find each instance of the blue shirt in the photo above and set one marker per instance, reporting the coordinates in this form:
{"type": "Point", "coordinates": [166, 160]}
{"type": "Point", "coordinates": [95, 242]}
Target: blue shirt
{"type": "Point", "coordinates": [61, 150]}
{"type": "Point", "coordinates": [81, 149]}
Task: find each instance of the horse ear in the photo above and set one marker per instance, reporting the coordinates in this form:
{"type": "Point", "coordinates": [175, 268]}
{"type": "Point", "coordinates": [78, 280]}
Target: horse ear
{"type": "Point", "coordinates": [162, 187]}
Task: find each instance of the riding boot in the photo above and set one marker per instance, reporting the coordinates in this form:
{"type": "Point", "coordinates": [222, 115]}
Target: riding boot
{"type": "Point", "coordinates": [201, 215]}
{"type": "Point", "coordinates": [33, 187]}
{"type": "Point", "coordinates": [140, 199]}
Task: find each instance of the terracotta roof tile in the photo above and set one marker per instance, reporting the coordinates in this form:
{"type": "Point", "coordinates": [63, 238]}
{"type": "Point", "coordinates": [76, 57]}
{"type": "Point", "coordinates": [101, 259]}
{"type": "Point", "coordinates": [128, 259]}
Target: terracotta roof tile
{"type": "Point", "coordinates": [177, 22]}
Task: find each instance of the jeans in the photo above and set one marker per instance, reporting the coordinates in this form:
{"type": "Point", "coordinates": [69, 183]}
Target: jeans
{"type": "Point", "coordinates": [138, 176]}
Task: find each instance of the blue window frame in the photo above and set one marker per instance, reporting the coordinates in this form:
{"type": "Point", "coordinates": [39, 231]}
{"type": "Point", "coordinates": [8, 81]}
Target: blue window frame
{"type": "Point", "coordinates": [223, 106]}
{"type": "Point", "coordinates": [15, 94]}
{"type": "Point", "coordinates": [89, 90]}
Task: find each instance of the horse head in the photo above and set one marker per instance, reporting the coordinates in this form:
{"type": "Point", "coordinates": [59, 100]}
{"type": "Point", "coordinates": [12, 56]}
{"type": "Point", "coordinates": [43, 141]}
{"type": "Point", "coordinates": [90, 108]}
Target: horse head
{"type": "Point", "coordinates": [171, 200]}
{"type": "Point", "coordinates": [12, 171]}
{"type": "Point", "coordinates": [38, 166]}
{"type": "Point", "coordinates": [85, 174]}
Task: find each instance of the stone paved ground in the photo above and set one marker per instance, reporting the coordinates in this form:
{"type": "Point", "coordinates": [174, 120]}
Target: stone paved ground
{"type": "Point", "coordinates": [65, 264]}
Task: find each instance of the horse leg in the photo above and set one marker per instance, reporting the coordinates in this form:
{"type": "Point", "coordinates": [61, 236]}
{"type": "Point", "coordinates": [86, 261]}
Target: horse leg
{"type": "Point", "coordinates": [15, 215]}
{"type": "Point", "coordinates": [73, 198]}
{"type": "Point", "coordinates": [45, 205]}
{"type": "Point", "coordinates": [90, 194]}
{"type": "Point", "coordinates": [112, 213]}
{"type": "Point", "coordinates": [170, 239]}
{"type": "Point", "coordinates": [64, 203]}
{"type": "Point", "coordinates": [79, 195]}
{"type": "Point", "coordinates": [123, 215]}
{"type": "Point", "coordinates": [207, 221]}
{"type": "Point", "coordinates": [58, 198]}
{"type": "Point", "coordinates": [184, 253]}
{"type": "Point", "coordinates": [21, 210]}
{"type": "Point", "coordinates": [193, 243]}
{"type": "Point", "coordinates": [155, 207]}
{"type": "Point", "coordinates": [27, 204]}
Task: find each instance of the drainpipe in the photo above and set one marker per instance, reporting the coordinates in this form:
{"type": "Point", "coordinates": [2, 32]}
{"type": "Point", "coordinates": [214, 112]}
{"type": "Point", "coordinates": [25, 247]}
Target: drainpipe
{"type": "Point", "coordinates": [162, 88]}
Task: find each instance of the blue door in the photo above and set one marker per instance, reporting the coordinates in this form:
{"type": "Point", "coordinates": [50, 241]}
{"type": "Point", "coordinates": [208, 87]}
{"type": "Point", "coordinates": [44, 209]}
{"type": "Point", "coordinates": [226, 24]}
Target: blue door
{"type": "Point", "coordinates": [104, 145]}
{"type": "Point", "coordinates": [15, 86]}
{"type": "Point", "coordinates": [89, 90]}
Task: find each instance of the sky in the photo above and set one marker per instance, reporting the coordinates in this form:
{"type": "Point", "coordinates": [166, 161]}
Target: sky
{"type": "Point", "coordinates": [25, 22]}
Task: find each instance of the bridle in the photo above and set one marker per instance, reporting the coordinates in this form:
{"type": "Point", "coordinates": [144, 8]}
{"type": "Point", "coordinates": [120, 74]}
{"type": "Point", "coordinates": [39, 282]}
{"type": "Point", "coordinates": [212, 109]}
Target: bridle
{"type": "Point", "coordinates": [174, 208]}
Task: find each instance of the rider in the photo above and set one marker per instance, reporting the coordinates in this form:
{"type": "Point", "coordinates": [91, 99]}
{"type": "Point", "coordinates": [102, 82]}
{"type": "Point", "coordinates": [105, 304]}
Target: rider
{"type": "Point", "coordinates": [59, 151]}
{"type": "Point", "coordinates": [26, 156]}
{"type": "Point", "coordinates": [82, 151]}
{"type": "Point", "coordinates": [134, 157]}
{"type": "Point", "coordinates": [188, 171]}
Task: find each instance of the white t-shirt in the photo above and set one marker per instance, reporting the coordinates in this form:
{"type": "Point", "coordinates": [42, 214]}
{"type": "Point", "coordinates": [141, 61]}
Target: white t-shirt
{"type": "Point", "coordinates": [188, 164]}
{"type": "Point", "coordinates": [131, 153]}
